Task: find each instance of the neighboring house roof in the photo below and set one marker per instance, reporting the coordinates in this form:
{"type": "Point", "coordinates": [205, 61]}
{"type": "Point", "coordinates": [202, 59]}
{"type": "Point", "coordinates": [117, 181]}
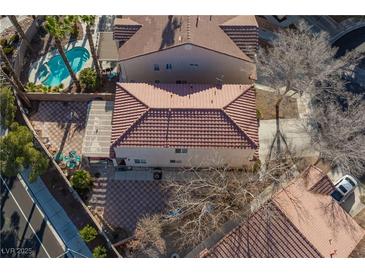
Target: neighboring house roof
{"type": "Point", "coordinates": [184, 115]}
{"type": "Point", "coordinates": [156, 33]}
{"type": "Point", "coordinates": [296, 222]}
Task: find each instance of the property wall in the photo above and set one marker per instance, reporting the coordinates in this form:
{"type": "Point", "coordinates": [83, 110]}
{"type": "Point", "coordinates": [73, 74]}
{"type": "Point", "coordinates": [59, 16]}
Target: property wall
{"type": "Point", "coordinates": [195, 157]}
{"type": "Point", "coordinates": [211, 65]}
{"type": "Point", "coordinates": [79, 97]}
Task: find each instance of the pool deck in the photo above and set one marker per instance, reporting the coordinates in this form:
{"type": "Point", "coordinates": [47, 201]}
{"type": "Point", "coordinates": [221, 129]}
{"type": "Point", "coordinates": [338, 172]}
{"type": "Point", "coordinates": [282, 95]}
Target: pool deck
{"type": "Point", "coordinates": [44, 59]}
{"type": "Point", "coordinates": [56, 124]}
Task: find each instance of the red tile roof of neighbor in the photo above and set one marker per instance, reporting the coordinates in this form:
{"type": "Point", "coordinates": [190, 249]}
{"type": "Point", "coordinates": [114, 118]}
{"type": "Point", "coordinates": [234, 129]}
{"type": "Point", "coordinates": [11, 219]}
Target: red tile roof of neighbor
{"type": "Point", "coordinates": [146, 34]}
{"type": "Point", "coordinates": [298, 221]}
{"type": "Point", "coordinates": [184, 115]}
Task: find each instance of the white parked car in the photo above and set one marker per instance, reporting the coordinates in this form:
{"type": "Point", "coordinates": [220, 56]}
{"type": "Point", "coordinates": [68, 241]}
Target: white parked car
{"type": "Point", "coordinates": [344, 188]}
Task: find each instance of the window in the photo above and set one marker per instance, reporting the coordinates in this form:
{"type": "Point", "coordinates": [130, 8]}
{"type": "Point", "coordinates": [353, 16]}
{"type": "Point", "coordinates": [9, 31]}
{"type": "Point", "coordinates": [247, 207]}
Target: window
{"type": "Point", "coordinates": [168, 66]}
{"type": "Point", "coordinates": [157, 81]}
{"type": "Point", "coordinates": [181, 150]}
{"type": "Point", "coordinates": [156, 67]}
{"type": "Point", "coordinates": [175, 161]}
{"type": "Point", "coordinates": [194, 65]}
{"type": "Point", "coordinates": [140, 161]}
{"type": "Point", "coordinates": [343, 189]}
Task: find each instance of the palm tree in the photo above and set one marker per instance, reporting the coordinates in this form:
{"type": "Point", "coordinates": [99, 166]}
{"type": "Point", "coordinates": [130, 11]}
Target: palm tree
{"type": "Point", "coordinates": [89, 20]}
{"type": "Point", "coordinates": [59, 29]}
{"type": "Point", "coordinates": [19, 30]}
{"type": "Point", "coordinates": [14, 79]}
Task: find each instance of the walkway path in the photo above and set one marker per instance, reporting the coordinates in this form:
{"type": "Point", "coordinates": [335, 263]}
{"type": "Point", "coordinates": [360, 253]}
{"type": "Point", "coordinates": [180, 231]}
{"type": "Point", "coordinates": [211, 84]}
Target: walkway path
{"type": "Point", "coordinates": [57, 217]}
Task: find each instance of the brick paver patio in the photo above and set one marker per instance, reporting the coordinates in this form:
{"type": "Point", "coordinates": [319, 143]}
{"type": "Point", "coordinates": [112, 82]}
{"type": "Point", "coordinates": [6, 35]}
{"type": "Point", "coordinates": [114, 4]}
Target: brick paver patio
{"type": "Point", "coordinates": [122, 203]}
{"type": "Point", "coordinates": [62, 123]}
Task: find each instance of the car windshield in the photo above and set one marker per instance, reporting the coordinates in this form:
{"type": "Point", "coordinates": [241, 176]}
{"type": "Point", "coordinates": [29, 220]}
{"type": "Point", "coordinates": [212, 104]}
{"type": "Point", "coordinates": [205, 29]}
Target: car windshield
{"type": "Point", "coordinates": [350, 181]}
{"type": "Point", "coordinates": [343, 189]}
{"type": "Point", "coordinates": [337, 195]}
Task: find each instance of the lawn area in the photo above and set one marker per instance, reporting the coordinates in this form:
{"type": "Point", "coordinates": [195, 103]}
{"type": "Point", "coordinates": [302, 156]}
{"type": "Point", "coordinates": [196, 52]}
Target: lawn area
{"type": "Point", "coordinates": [265, 103]}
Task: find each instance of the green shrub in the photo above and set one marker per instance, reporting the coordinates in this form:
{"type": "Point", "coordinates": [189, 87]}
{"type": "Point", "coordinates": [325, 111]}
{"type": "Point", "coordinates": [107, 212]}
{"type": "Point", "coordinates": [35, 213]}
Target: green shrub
{"type": "Point", "coordinates": [31, 87]}
{"type": "Point", "coordinates": [3, 42]}
{"type": "Point", "coordinates": [99, 252]}
{"type": "Point", "coordinates": [14, 39]}
{"type": "Point", "coordinates": [8, 50]}
{"type": "Point", "coordinates": [81, 180]}
{"type": "Point", "coordinates": [7, 107]}
{"type": "Point", "coordinates": [88, 79]}
{"type": "Point", "coordinates": [88, 233]}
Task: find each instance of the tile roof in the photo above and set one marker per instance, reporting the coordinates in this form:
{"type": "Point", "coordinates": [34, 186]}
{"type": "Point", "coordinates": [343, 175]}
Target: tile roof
{"type": "Point", "coordinates": [165, 115]}
{"type": "Point", "coordinates": [162, 32]}
{"type": "Point", "coordinates": [264, 236]}
{"type": "Point", "coordinates": [299, 223]}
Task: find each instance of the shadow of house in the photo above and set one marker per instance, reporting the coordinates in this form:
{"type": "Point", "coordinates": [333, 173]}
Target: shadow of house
{"type": "Point", "coordinates": [4, 197]}
{"type": "Point", "coordinates": [168, 33]}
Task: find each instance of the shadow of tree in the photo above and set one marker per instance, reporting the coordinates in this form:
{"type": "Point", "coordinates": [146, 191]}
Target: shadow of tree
{"type": "Point", "coordinates": [168, 33]}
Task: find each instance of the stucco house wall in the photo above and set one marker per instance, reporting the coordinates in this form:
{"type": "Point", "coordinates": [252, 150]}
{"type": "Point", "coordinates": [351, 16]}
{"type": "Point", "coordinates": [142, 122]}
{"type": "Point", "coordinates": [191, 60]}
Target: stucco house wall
{"type": "Point", "coordinates": [189, 63]}
{"type": "Point", "coordinates": [195, 157]}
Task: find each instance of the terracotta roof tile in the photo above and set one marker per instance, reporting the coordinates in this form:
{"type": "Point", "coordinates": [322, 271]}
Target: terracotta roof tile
{"type": "Point", "coordinates": [297, 222]}
{"type": "Point", "coordinates": [162, 32]}
{"type": "Point", "coordinates": [264, 236]}
{"type": "Point", "coordinates": [184, 115]}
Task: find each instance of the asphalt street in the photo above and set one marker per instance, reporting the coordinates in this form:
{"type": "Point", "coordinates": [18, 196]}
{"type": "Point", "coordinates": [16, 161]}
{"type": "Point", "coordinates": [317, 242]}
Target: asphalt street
{"type": "Point", "coordinates": [24, 230]}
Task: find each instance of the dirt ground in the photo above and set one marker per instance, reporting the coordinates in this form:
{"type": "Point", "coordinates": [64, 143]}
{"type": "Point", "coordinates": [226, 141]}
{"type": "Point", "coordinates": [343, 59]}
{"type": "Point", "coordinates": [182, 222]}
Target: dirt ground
{"type": "Point", "coordinates": [265, 103]}
{"type": "Point", "coordinates": [359, 251]}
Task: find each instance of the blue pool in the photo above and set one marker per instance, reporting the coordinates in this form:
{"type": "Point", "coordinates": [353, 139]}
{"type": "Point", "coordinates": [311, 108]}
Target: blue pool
{"type": "Point", "coordinates": [54, 72]}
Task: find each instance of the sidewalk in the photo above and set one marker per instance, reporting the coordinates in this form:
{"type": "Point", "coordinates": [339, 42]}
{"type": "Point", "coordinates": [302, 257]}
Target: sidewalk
{"type": "Point", "coordinates": [293, 130]}
{"type": "Point", "coordinates": [57, 217]}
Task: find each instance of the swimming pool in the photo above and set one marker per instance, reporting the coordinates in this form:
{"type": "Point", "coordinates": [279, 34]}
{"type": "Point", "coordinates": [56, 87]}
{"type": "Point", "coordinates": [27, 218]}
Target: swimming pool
{"type": "Point", "coordinates": [54, 72]}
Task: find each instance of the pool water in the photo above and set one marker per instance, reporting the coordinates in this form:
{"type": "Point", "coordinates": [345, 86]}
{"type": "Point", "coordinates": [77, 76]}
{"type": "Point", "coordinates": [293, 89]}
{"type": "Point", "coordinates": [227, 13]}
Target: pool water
{"type": "Point", "coordinates": [54, 72]}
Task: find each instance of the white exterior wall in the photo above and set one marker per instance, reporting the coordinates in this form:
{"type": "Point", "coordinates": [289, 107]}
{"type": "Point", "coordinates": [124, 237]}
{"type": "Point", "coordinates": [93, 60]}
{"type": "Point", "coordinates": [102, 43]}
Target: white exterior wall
{"type": "Point", "coordinates": [211, 65]}
{"type": "Point", "coordinates": [195, 157]}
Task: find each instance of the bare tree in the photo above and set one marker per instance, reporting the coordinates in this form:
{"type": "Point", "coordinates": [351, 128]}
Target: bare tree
{"type": "Point", "coordinates": [148, 241]}
{"type": "Point", "coordinates": [203, 200]}
{"type": "Point", "coordinates": [337, 129]}
{"type": "Point", "coordinates": [297, 62]}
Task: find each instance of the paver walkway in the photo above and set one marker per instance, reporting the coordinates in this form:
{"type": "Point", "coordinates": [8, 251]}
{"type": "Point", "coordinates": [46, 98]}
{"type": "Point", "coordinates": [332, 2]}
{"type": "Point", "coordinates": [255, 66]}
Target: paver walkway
{"type": "Point", "coordinates": [122, 202]}
{"type": "Point", "coordinates": [63, 123]}
{"type": "Point", "coordinates": [57, 217]}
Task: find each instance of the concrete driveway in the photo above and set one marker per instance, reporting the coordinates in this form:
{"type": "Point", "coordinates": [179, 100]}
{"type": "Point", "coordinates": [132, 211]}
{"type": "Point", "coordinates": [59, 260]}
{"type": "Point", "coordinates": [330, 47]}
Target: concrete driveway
{"type": "Point", "coordinates": [294, 132]}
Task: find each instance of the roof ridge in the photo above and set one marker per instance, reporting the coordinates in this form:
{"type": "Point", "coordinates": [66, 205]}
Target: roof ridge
{"type": "Point", "coordinates": [235, 99]}
{"type": "Point", "coordinates": [115, 143]}
{"type": "Point", "coordinates": [242, 131]}
{"type": "Point", "coordinates": [135, 97]}
{"type": "Point", "coordinates": [239, 95]}
{"type": "Point", "coordinates": [147, 109]}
